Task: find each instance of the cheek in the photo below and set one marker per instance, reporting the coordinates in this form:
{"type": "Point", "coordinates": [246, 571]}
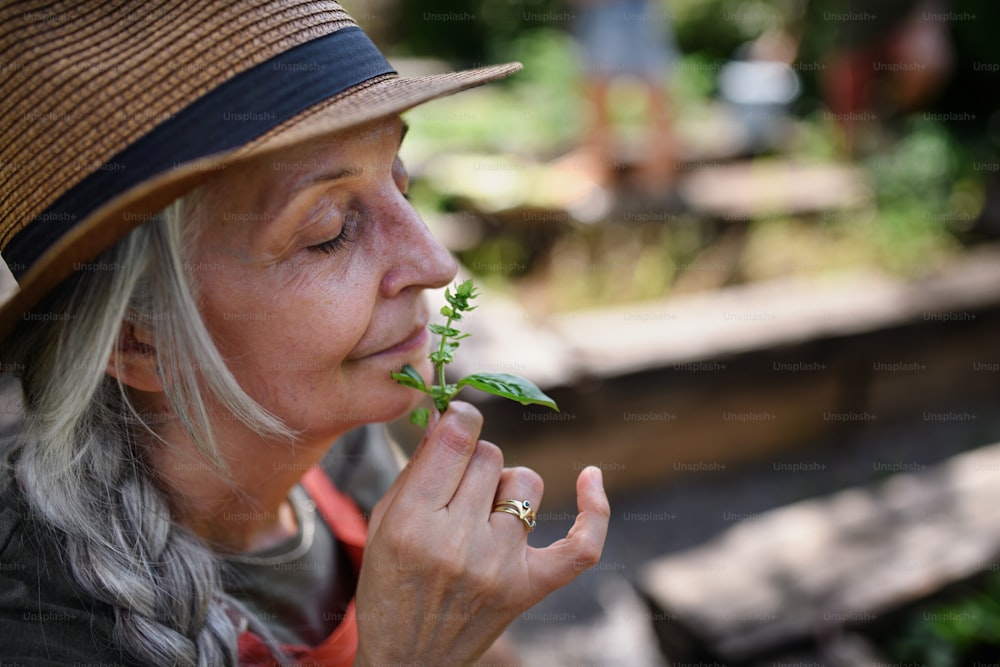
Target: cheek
{"type": "Point", "coordinates": [294, 328]}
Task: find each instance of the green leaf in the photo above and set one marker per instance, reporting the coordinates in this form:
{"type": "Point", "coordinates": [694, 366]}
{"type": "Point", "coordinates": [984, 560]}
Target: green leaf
{"type": "Point", "coordinates": [442, 330]}
{"type": "Point", "coordinates": [447, 391]}
{"type": "Point", "coordinates": [409, 377]}
{"type": "Point", "coordinates": [499, 384]}
{"type": "Point", "coordinates": [459, 301]}
{"type": "Point", "coordinates": [466, 289]}
{"type": "Point", "coordinates": [441, 357]}
{"type": "Point", "coordinates": [443, 395]}
{"type": "Point", "coordinates": [420, 417]}
{"type": "Point", "coordinates": [508, 386]}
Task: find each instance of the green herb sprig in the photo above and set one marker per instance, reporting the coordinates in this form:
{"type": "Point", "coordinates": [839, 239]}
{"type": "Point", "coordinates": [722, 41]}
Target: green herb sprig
{"type": "Point", "coordinates": [505, 385]}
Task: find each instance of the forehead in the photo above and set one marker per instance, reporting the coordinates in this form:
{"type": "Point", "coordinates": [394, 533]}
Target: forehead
{"type": "Point", "coordinates": [355, 142]}
{"type": "Point", "coordinates": [265, 182]}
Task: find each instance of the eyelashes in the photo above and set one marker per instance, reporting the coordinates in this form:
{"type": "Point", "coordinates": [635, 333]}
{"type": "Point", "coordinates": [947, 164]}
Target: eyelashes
{"type": "Point", "coordinates": [343, 239]}
{"type": "Point", "coordinates": [352, 222]}
{"type": "Point", "coordinates": [333, 245]}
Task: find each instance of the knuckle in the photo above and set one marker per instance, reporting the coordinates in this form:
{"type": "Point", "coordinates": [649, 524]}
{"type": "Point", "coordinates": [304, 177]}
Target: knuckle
{"type": "Point", "coordinates": [455, 437]}
{"type": "Point", "coordinates": [529, 480]}
{"type": "Point", "coordinates": [453, 564]}
{"type": "Point", "coordinates": [466, 413]}
{"type": "Point", "coordinates": [451, 569]}
{"type": "Point", "coordinates": [459, 429]}
{"type": "Point", "coordinates": [481, 576]}
{"type": "Point", "coordinates": [603, 510]}
{"type": "Point", "coordinates": [400, 536]}
{"type": "Point", "coordinates": [484, 581]}
{"type": "Point", "coordinates": [588, 557]}
{"type": "Point", "coordinates": [490, 453]}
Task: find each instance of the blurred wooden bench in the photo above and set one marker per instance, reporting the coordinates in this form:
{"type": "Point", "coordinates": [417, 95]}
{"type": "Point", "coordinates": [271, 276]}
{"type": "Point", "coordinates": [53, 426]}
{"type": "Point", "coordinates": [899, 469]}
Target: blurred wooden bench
{"type": "Point", "coordinates": [799, 574]}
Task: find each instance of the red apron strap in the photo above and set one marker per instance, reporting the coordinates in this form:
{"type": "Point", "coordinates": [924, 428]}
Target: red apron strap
{"type": "Point", "coordinates": [345, 519]}
{"type": "Point", "coordinates": [350, 527]}
{"type": "Point", "coordinates": [337, 650]}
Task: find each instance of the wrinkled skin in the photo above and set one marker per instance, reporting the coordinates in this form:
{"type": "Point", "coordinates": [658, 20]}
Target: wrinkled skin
{"type": "Point", "coordinates": [310, 267]}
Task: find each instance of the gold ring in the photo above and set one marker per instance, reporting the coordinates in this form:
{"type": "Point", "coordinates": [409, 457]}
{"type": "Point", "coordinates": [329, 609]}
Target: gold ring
{"type": "Point", "coordinates": [520, 508]}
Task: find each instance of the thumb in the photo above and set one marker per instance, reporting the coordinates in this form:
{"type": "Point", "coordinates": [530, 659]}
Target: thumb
{"type": "Point", "coordinates": [438, 464]}
{"type": "Point", "coordinates": [563, 561]}
{"type": "Point", "coordinates": [383, 504]}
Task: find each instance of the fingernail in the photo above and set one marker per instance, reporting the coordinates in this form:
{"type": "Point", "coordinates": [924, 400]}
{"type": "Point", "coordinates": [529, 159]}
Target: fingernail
{"type": "Point", "coordinates": [600, 476]}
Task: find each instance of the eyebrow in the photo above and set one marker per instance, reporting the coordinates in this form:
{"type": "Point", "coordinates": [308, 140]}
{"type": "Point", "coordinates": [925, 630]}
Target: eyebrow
{"type": "Point", "coordinates": [330, 176]}
{"type": "Point", "coordinates": [349, 171]}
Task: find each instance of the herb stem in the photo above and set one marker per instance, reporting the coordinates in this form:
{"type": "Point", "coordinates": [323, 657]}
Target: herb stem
{"type": "Point", "coordinates": [499, 384]}
{"type": "Point", "coordinates": [441, 347]}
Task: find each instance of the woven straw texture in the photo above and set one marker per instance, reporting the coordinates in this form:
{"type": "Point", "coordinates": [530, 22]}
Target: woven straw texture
{"type": "Point", "coordinates": [98, 75]}
{"type": "Point", "coordinates": [81, 81]}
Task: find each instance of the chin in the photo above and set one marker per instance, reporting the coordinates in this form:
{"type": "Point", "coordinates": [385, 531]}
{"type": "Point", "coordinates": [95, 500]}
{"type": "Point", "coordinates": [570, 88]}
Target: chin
{"type": "Point", "coordinates": [426, 369]}
{"type": "Point", "coordinates": [416, 401]}
{"type": "Point", "coordinates": [398, 401]}
{"type": "Point", "coordinates": [390, 401]}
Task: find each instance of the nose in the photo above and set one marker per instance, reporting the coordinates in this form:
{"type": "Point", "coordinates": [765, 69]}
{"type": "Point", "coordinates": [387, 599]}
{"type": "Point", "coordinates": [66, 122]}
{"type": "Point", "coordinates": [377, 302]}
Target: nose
{"type": "Point", "coordinates": [416, 258]}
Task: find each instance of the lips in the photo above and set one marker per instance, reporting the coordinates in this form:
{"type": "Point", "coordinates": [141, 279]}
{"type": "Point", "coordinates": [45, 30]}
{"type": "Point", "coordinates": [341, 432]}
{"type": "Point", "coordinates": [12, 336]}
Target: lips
{"type": "Point", "coordinates": [414, 340]}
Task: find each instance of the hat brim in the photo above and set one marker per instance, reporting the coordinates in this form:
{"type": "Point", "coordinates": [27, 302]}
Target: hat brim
{"type": "Point", "coordinates": [382, 98]}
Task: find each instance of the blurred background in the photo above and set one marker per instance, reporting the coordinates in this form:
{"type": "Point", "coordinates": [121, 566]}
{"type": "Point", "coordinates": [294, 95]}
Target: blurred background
{"type": "Point", "coordinates": [751, 249]}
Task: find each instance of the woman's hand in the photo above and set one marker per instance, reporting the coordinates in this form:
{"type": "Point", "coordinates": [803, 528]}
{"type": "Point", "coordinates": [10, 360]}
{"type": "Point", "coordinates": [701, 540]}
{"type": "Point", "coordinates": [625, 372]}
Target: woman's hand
{"type": "Point", "coordinates": [443, 574]}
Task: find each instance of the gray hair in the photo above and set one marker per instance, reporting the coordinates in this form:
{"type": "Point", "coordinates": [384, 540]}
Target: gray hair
{"type": "Point", "coordinates": [80, 463]}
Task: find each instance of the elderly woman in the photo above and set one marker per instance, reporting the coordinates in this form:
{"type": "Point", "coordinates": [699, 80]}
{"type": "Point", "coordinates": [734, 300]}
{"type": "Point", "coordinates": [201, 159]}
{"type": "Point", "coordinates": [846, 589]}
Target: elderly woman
{"type": "Point", "coordinates": [217, 270]}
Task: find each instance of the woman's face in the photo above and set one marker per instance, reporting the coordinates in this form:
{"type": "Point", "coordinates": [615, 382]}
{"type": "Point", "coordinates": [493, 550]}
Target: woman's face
{"type": "Point", "coordinates": [310, 270]}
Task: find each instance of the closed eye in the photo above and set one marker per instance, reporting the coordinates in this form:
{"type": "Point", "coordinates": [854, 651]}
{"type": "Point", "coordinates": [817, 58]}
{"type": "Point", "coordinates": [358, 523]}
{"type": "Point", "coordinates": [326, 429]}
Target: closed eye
{"type": "Point", "coordinates": [342, 240]}
{"type": "Point", "coordinates": [333, 245]}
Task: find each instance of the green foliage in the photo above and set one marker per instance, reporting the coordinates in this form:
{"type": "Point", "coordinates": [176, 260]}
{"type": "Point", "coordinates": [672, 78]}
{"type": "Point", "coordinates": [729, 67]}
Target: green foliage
{"type": "Point", "coordinates": [538, 111]}
{"type": "Point", "coordinates": [471, 31]}
{"type": "Point", "coordinates": [914, 181]}
{"type": "Point", "coordinates": [924, 192]}
{"type": "Point", "coordinates": [716, 28]}
{"type": "Point", "coordinates": [952, 634]}
{"type": "Point", "coordinates": [921, 164]}
{"type": "Point", "coordinates": [503, 385]}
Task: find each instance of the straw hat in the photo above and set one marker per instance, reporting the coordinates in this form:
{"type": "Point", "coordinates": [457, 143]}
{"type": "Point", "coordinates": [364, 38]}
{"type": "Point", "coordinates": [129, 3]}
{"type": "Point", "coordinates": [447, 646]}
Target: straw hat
{"type": "Point", "coordinates": [112, 109]}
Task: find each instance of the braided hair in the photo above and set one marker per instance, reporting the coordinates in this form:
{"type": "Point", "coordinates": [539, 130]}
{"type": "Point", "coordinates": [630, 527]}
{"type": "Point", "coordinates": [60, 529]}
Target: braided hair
{"type": "Point", "coordinates": [80, 463]}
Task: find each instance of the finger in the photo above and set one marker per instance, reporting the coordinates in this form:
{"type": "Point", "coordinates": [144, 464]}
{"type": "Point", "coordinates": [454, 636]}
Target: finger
{"type": "Point", "coordinates": [440, 461]}
{"type": "Point", "coordinates": [474, 496]}
{"type": "Point", "coordinates": [378, 511]}
{"type": "Point", "coordinates": [432, 419]}
{"type": "Point", "coordinates": [522, 484]}
{"type": "Point", "coordinates": [562, 561]}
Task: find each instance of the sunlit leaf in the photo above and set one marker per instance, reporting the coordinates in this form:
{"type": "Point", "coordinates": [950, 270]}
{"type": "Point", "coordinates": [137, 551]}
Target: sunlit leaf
{"type": "Point", "coordinates": [509, 386]}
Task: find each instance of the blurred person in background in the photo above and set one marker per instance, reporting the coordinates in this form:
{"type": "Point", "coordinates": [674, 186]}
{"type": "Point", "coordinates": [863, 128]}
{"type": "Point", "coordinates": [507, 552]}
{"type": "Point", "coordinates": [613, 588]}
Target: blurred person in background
{"type": "Point", "coordinates": [626, 40]}
{"type": "Point", "coordinates": [888, 58]}
{"type": "Point", "coordinates": [217, 270]}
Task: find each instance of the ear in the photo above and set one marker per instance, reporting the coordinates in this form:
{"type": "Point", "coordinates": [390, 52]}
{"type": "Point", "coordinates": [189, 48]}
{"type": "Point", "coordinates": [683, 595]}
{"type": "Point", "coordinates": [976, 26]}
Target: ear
{"type": "Point", "coordinates": [134, 359]}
